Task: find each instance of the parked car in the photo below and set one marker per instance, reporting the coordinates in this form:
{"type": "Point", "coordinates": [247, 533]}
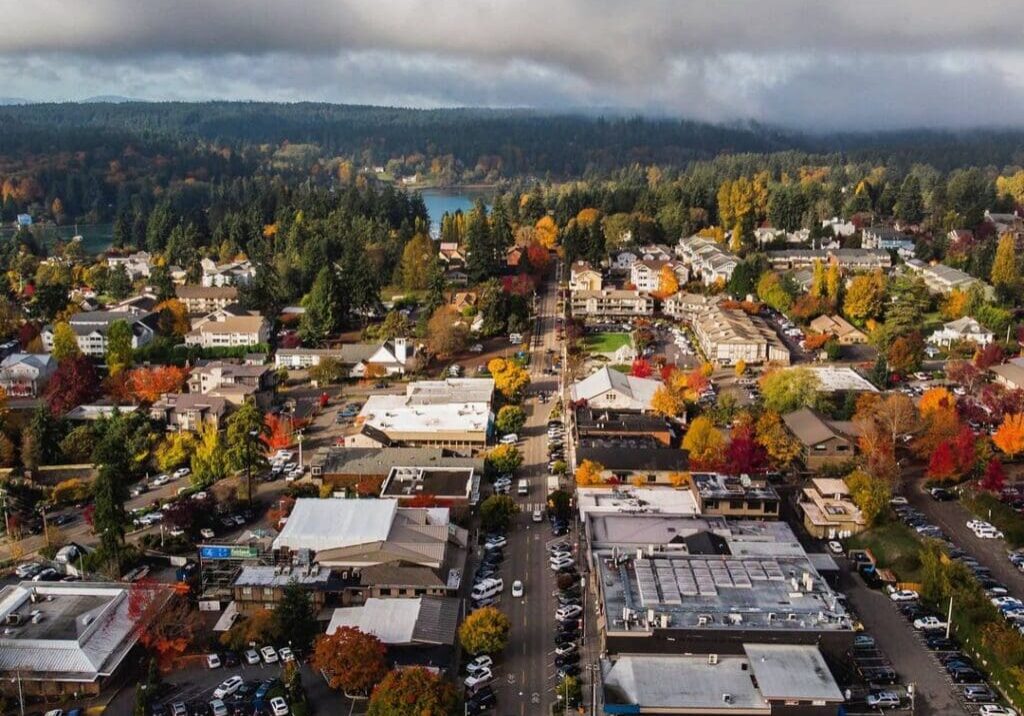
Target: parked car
{"type": "Point", "coordinates": [930, 624]}
{"type": "Point", "coordinates": [213, 661]}
{"type": "Point", "coordinates": [480, 678]}
{"type": "Point", "coordinates": [995, 710]}
{"type": "Point", "coordinates": [269, 655]}
{"type": "Point", "coordinates": [251, 657]}
{"type": "Point", "coordinates": [278, 706]}
{"type": "Point", "coordinates": [567, 612]}
{"type": "Point", "coordinates": [479, 664]}
{"type": "Point", "coordinates": [979, 693]}
{"type": "Point", "coordinates": [904, 595]}
{"type": "Point", "coordinates": [883, 700]}
{"type": "Point", "coordinates": [228, 687]}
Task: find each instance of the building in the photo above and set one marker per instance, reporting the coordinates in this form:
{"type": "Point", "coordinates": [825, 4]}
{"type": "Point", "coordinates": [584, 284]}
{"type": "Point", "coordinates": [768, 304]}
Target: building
{"type": "Point", "coordinates": [233, 273]}
{"type": "Point", "coordinates": [234, 381]}
{"type": "Point", "coordinates": [229, 331]}
{"type": "Point", "coordinates": [137, 265]}
{"type": "Point", "coordinates": [96, 411]}
{"type": "Point", "coordinates": [91, 330]}
{"type": "Point", "coordinates": [645, 274]}
{"type": "Point", "coordinates": [605, 423]}
{"type": "Point", "coordinates": [962, 330]}
{"type": "Point", "coordinates": [683, 305]}
{"type": "Point", "coordinates": [24, 375]}
{"type": "Point", "coordinates": [884, 237]}
{"type": "Point", "coordinates": [392, 357]}
{"type": "Point", "coordinates": [840, 378]}
{"type": "Point", "coordinates": [419, 631]}
{"type": "Point", "coordinates": [305, 358]}
{"type": "Point", "coordinates": [629, 499]}
{"type": "Point", "coordinates": [66, 638]}
{"type": "Point", "coordinates": [206, 299]}
{"type": "Point", "coordinates": [731, 496]}
{"type": "Point", "coordinates": [706, 585]}
{"type": "Point", "coordinates": [839, 227]}
{"type": "Point", "coordinates": [344, 468]}
{"type": "Point", "coordinates": [706, 259]}
{"type": "Point", "coordinates": [828, 510]}
{"type": "Point", "coordinates": [463, 300]}
{"type": "Point", "coordinates": [622, 261]}
{"type": "Point", "coordinates": [609, 389]}
{"type": "Point", "coordinates": [584, 277]}
{"type": "Point", "coordinates": [943, 279]}
{"type": "Point", "coordinates": [1011, 374]}
{"type": "Point", "coordinates": [451, 255]}
{"type": "Point", "coordinates": [847, 259]}
{"type": "Point", "coordinates": [770, 679]}
{"type": "Point", "coordinates": [823, 442]}
{"type": "Point", "coordinates": [629, 461]}
{"type": "Point", "coordinates": [189, 411]}
{"type": "Point", "coordinates": [447, 486]}
{"type": "Point", "coordinates": [727, 336]}
{"type": "Point", "coordinates": [453, 413]}
{"type": "Point", "coordinates": [611, 304]}
{"type": "Point", "coordinates": [845, 333]}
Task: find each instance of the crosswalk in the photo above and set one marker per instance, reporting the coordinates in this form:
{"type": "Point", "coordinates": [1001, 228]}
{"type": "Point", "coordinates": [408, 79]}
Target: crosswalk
{"type": "Point", "coordinates": [529, 507]}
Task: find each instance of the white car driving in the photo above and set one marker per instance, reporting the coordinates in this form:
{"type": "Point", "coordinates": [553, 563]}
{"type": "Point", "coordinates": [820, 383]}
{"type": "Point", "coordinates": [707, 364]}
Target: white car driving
{"type": "Point", "coordinates": [517, 588]}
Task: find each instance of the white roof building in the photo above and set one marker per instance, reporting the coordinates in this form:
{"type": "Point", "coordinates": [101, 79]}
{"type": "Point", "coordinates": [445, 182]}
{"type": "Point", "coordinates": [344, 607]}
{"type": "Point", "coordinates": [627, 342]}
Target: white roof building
{"type": "Point", "coordinates": [422, 620]}
{"type": "Point", "coordinates": [608, 388]}
{"type": "Point", "coordinates": [329, 524]}
{"type": "Point", "coordinates": [962, 329]}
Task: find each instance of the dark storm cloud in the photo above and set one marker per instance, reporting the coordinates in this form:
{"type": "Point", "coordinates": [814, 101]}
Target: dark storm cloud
{"type": "Point", "coordinates": [802, 62]}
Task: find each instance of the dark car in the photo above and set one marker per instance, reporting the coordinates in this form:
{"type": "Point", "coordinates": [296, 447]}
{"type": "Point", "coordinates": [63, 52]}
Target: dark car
{"type": "Point", "coordinates": [560, 530]}
{"type": "Point", "coordinates": [484, 697]}
{"type": "Point", "coordinates": [940, 643]}
{"type": "Point", "coordinates": [879, 674]}
{"type": "Point", "coordinates": [564, 659]}
{"type": "Point", "coordinates": [965, 675]}
{"type": "Point", "coordinates": [229, 658]}
{"type": "Point", "coordinates": [568, 670]}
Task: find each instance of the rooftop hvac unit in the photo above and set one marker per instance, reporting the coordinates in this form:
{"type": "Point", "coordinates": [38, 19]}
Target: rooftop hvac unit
{"type": "Point", "coordinates": [712, 659]}
{"type": "Point", "coordinates": [702, 620]}
{"type": "Point", "coordinates": [727, 698]}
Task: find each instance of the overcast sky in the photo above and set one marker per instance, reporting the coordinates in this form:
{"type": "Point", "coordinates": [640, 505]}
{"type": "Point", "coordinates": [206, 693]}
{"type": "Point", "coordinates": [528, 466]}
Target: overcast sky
{"type": "Point", "coordinates": [805, 63]}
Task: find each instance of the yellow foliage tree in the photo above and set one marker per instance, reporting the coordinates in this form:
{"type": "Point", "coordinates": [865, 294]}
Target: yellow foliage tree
{"type": "Point", "coordinates": [588, 216]}
{"type": "Point", "coordinates": [865, 297]}
{"type": "Point", "coordinates": [667, 402]}
{"type": "Point", "coordinates": [668, 283]}
{"type": "Point", "coordinates": [546, 232]}
{"type": "Point", "coordinates": [679, 479]}
{"type": "Point", "coordinates": [703, 441]}
{"type": "Point", "coordinates": [741, 367]}
{"type": "Point", "coordinates": [956, 305]}
{"type": "Point", "coordinates": [772, 434]}
{"type": "Point", "coordinates": [1005, 268]}
{"type": "Point", "coordinates": [1012, 186]}
{"type": "Point", "coordinates": [510, 378]}
{"type": "Point", "coordinates": [589, 473]}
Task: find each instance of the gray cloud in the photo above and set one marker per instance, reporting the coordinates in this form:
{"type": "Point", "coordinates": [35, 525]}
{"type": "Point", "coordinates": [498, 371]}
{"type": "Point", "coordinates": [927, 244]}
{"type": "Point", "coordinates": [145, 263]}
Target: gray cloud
{"type": "Point", "coordinates": [807, 63]}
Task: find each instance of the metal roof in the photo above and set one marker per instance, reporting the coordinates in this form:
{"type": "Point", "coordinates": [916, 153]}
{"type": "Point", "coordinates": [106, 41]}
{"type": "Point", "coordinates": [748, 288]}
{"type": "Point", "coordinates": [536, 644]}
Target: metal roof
{"type": "Point", "coordinates": [329, 524]}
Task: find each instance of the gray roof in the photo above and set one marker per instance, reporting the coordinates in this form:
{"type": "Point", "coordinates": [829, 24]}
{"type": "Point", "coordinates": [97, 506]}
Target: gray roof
{"type": "Point", "coordinates": [792, 671]}
{"type": "Point", "coordinates": [677, 682]}
{"type": "Point", "coordinates": [809, 426]}
{"type": "Point", "coordinates": [423, 620]}
{"type": "Point", "coordinates": [437, 620]}
{"type": "Point", "coordinates": [379, 461]}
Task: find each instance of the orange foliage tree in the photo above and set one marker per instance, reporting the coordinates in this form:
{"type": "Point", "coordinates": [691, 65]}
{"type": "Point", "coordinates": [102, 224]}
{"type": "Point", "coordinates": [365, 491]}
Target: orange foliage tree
{"type": "Point", "coordinates": [162, 620]}
{"type": "Point", "coordinates": [280, 433]}
{"type": "Point", "coordinates": [148, 384]}
{"type": "Point", "coordinates": [1010, 436]}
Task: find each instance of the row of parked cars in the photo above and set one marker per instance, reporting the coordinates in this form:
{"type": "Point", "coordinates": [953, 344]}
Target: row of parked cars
{"type": "Point", "coordinates": [568, 613]}
{"type": "Point", "coordinates": [488, 586]}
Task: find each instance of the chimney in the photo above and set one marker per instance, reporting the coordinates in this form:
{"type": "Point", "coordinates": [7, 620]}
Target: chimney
{"type": "Point", "coordinates": [400, 350]}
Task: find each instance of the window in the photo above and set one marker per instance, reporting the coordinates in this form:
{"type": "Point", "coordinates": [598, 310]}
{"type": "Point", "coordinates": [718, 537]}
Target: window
{"type": "Point", "coordinates": [735, 504]}
{"type": "Point", "coordinates": [268, 592]}
{"type": "Point", "coordinates": [247, 591]}
{"type": "Point", "coordinates": [385, 591]}
{"type": "Point", "coordinates": [652, 478]}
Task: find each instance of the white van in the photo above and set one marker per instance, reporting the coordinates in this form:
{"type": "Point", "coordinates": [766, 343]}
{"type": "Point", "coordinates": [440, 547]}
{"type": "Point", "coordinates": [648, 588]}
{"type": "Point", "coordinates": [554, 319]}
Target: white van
{"type": "Point", "coordinates": [510, 439]}
{"type": "Point", "coordinates": [523, 487]}
{"type": "Point", "coordinates": [487, 588]}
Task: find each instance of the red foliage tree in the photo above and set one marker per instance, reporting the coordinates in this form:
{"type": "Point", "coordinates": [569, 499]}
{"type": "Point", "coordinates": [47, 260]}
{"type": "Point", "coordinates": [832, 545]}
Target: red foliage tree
{"type": "Point", "coordinates": [148, 384]}
{"type": "Point", "coordinates": [667, 371]}
{"type": "Point", "coordinates": [641, 368]}
{"type": "Point", "coordinates": [963, 449]}
{"type": "Point", "coordinates": [965, 374]}
{"type": "Point", "coordinates": [518, 285]}
{"type": "Point", "coordinates": [350, 660]}
{"type": "Point", "coordinates": [943, 464]}
{"type": "Point", "coordinates": [27, 332]}
{"type": "Point", "coordinates": [994, 479]}
{"type": "Point", "coordinates": [538, 257]}
{"type": "Point", "coordinates": [73, 383]}
{"type": "Point", "coordinates": [744, 455]}
{"type": "Point", "coordinates": [279, 432]}
{"type": "Point", "coordinates": [163, 621]}
{"type": "Point", "coordinates": [990, 355]}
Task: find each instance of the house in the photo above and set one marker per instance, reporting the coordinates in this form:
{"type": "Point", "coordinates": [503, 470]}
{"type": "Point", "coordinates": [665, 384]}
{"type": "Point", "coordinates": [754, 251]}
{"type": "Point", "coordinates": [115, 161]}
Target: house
{"type": "Point", "coordinates": [961, 330]}
{"type": "Point", "coordinates": [727, 336]}
{"type": "Point", "coordinates": [24, 375]}
{"type": "Point", "coordinates": [839, 328]}
{"type": "Point", "coordinates": [514, 255]}
{"type": "Point", "coordinates": [685, 305]}
{"type": "Point", "coordinates": [205, 299]}
{"type": "Point", "coordinates": [734, 496]}
{"type": "Point", "coordinates": [233, 381]}
{"type": "Point", "coordinates": [189, 411]}
{"type": "Point", "coordinates": [622, 261]}
{"type": "Point", "coordinates": [233, 273]}
{"type": "Point", "coordinates": [584, 277]}
{"type": "Point", "coordinates": [943, 279]}
{"type": "Point", "coordinates": [600, 306]}
{"type": "Point", "coordinates": [64, 641]}
{"type": "Point", "coordinates": [91, 330]}
{"type": "Point", "coordinates": [304, 358]}
{"type": "Point", "coordinates": [823, 442]}
{"type": "Point", "coordinates": [228, 331]}
{"type": "Point", "coordinates": [1005, 223]}
{"type": "Point", "coordinates": [960, 236]}
{"type": "Point", "coordinates": [392, 357]}
{"type": "Point", "coordinates": [461, 300]}
{"type": "Point", "coordinates": [450, 255]}
{"type": "Point", "coordinates": [609, 389]}
{"type": "Point", "coordinates": [1011, 374]}
{"type": "Point", "coordinates": [137, 265]}
{"type": "Point", "coordinates": [706, 259]}
{"type": "Point", "coordinates": [829, 511]}
{"type": "Point", "coordinates": [839, 227]}
{"type": "Point", "coordinates": [645, 274]}
{"type": "Point", "coordinates": [884, 237]}
{"type": "Point", "coordinates": [453, 413]}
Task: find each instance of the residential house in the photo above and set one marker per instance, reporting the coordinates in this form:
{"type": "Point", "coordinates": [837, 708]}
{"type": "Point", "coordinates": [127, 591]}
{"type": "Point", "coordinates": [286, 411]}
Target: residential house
{"type": "Point", "coordinates": [607, 388]}
{"type": "Point", "coordinates": [514, 256]}
{"type": "Point", "coordinates": [584, 277]}
{"type": "Point", "coordinates": [189, 411]}
{"type": "Point", "coordinates": [206, 299]}
{"type": "Point", "coordinates": [233, 381]}
{"type": "Point", "coordinates": [450, 255]}
{"type": "Point", "coordinates": [961, 330]}
{"type": "Point", "coordinates": [91, 330]}
{"type": "Point", "coordinates": [884, 237]}
{"type": "Point", "coordinates": [1005, 223]}
{"type": "Point", "coordinates": [461, 300]}
{"type": "Point", "coordinates": [847, 259]}
{"type": "Point", "coordinates": [839, 328]}
{"type": "Point", "coordinates": [839, 227]}
{"type": "Point", "coordinates": [227, 331]}
{"type": "Point", "coordinates": [828, 510]}
{"type": "Point", "coordinates": [645, 274]}
{"type": "Point", "coordinates": [1011, 374]}
{"type": "Point", "coordinates": [706, 259]}
{"type": "Point", "coordinates": [24, 375]}
{"type": "Point", "coordinates": [622, 261]}
{"type": "Point", "coordinates": [611, 304]}
{"type": "Point", "coordinates": [233, 273]}
{"type": "Point", "coordinates": [727, 336]}
{"type": "Point", "coordinates": [137, 265]}
{"type": "Point", "coordinates": [734, 496]}
{"type": "Point", "coordinates": [823, 442]}
{"type": "Point", "coordinates": [943, 279]}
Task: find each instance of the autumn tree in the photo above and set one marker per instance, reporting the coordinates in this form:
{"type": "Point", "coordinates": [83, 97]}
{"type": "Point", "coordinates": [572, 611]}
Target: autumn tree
{"type": "Point", "coordinates": [328, 371]}
{"type": "Point", "coordinates": [447, 332]}
{"type": "Point", "coordinates": [995, 478]}
{"type": "Point", "coordinates": [351, 660]}
{"type": "Point", "coordinates": [163, 621]}
{"type": "Point", "coordinates": [776, 439]}
{"type": "Point", "coordinates": [667, 402]}
{"type": "Point", "coordinates": [870, 494]}
{"type": "Point", "coordinates": [939, 424]}
{"type": "Point", "coordinates": [589, 473]}
{"type": "Point", "coordinates": [173, 318]}
{"type": "Point", "coordinates": [668, 282]}
{"type": "Point", "coordinates": [744, 455]}
{"type": "Point", "coordinates": [119, 347]}
{"type": "Point", "coordinates": [788, 389]}
{"type": "Point", "coordinates": [865, 297]}
{"type": "Point", "coordinates": [1009, 437]}
{"type": "Point", "coordinates": [73, 383]}
{"type": "Point", "coordinates": [418, 256]}
{"type": "Point", "coordinates": [942, 464]}
{"type": "Point", "coordinates": [503, 459]}
{"type": "Point", "coordinates": [148, 384]}
{"type": "Point", "coordinates": [209, 462]}
{"type": "Point", "coordinates": [546, 232]}
{"type": "Point", "coordinates": [641, 368]}
{"type": "Point", "coordinates": [246, 438]}
{"type": "Point", "coordinates": [1005, 274]}
{"type": "Point", "coordinates": [485, 631]}
{"type": "Point", "coordinates": [510, 378]}
{"type": "Point", "coordinates": [497, 511]}
{"type": "Point", "coordinates": [704, 443]}
{"type": "Point", "coordinates": [510, 419]}
{"type": "Point", "coordinates": [65, 342]}
{"type": "Point", "coordinates": [278, 433]}
{"type": "Point", "coordinates": [404, 692]}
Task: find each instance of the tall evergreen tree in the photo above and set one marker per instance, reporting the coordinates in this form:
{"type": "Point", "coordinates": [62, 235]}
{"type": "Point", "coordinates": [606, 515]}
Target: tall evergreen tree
{"type": "Point", "coordinates": [322, 304]}
{"type": "Point", "coordinates": [910, 201]}
{"type": "Point", "coordinates": [480, 264]}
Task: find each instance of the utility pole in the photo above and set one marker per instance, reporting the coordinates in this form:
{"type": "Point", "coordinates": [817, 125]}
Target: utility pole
{"type": "Point", "coordinates": [250, 436]}
{"type": "Point", "coordinates": [949, 617]}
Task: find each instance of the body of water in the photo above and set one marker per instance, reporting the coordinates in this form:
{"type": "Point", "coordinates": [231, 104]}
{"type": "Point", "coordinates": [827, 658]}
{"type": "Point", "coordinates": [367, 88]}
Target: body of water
{"type": "Point", "coordinates": [441, 201]}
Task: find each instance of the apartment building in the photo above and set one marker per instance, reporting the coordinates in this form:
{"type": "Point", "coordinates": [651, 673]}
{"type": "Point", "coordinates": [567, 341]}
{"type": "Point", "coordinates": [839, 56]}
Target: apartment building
{"type": "Point", "coordinates": [229, 331]}
{"type": "Point", "coordinates": [706, 259]}
{"type": "Point", "coordinates": [611, 304]}
{"type": "Point", "coordinates": [206, 299]}
{"type": "Point", "coordinates": [91, 330]}
{"type": "Point", "coordinates": [727, 336]}
{"type": "Point", "coordinates": [645, 274]}
{"type": "Point", "coordinates": [233, 273]}
{"type": "Point", "coordinates": [848, 259]}
{"type": "Point", "coordinates": [584, 277]}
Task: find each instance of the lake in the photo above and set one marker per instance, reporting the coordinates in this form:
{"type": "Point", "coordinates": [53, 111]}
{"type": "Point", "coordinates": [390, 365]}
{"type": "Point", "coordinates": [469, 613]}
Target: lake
{"type": "Point", "coordinates": [439, 201]}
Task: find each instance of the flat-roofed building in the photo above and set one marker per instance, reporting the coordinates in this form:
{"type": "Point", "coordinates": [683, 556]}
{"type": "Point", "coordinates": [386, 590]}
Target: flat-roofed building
{"type": "Point", "coordinates": [828, 510]}
{"type": "Point", "coordinates": [611, 303]}
{"type": "Point", "coordinates": [629, 499]}
{"type": "Point", "coordinates": [608, 423]}
{"type": "Point", "coordinates": [1011, 374]}
{"type": "Point", "coordinates": [448, 486]}
{"type": "Point", "coordinates": [734, 496]}
{"type": "Point", "coordinates": [344, 468]}
{"type": "Point", "coordinates": [727, 336]}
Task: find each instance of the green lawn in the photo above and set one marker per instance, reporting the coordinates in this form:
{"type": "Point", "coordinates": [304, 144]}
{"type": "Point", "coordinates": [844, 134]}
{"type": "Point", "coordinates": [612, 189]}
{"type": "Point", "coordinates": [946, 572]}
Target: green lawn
{"type": "Point", "coordinates": [607, 342]}
{"type": "Point", "coordinates": [895, 546]}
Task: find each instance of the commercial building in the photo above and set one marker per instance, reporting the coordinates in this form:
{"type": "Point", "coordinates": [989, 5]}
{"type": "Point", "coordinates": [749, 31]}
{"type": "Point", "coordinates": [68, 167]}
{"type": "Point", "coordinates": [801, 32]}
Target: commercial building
{"type": "Point", "coordinates": [344, 468]}
{"type": "Point", "coordinates": [732, 496]}
{"type": "Point", "coordinates": [823, 442]}
{"type": "Point", "coordinates": [629, 499]}
{"type": "Point", "coordinates": [602, 423]}
{"type": "Point", "coordinates": [828, 510]}
{"type": "Point", "coordinates": [448, 486]}
{"type": "Point", "coordinates": [67, 638]}
{"type": "Point", "coordinates": [453, 413]}
{"type": "Point", "coordinates": [627, 460]}
{"type": "Point", "coordinates": [727, 336]}
{"type": "Point", "coordinates": [607, 388]}
{"type": "Point", "coordinates": [611, 304]}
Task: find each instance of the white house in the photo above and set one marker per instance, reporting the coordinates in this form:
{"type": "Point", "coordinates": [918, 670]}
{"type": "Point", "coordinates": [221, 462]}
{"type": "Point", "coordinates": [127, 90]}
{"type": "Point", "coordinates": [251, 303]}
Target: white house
{"type": "Point", "coordinates": [137, 265]}
{"type": "Point", "coordinates": [608, 388]}
{"type": "Point", "coordinates": [645, 274]}
{"type": "Point", "coordinates": [91, 330]}
{"type": "Point", "coordinates": [706, 259]}
{"type": "Point", "coordinates": [584, 277]}
{"type": "Point", "coordinates": [395, 357]}
{"type": "Point", "coordinates": [962, 329]}
{"type": "Point", "coordinates": [234, 273]}
{"type": "Point", "coordinates": [24, 375]}
{"type": "Point", "coordinates": [839, 227]}
{"type": "Point", "coordinates": [229, 331]}
{"type": "Point", "coordinates": [623, 261]}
